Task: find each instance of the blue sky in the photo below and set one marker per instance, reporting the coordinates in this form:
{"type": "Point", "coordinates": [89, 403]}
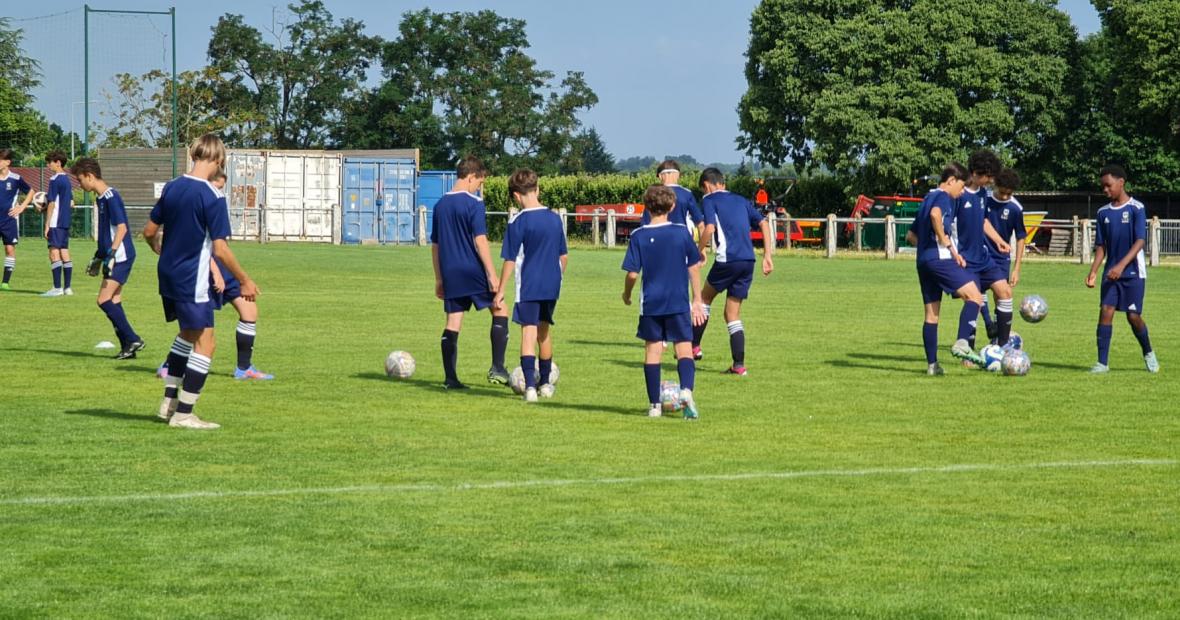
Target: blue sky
{"type": "Point", "coordinates": [648, 61]}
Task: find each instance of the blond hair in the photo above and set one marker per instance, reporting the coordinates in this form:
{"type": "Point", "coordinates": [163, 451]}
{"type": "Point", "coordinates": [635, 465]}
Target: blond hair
{"type": "Point", "coordinates": [208, 148]}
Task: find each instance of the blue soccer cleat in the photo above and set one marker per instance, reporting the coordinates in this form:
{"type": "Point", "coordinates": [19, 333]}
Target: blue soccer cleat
{"type": "Point", "coordinates": [251, 373]}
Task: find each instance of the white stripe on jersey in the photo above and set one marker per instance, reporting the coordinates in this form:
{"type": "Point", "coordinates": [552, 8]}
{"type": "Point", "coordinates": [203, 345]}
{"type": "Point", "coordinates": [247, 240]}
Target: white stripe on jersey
{"type": "Point", "coordinates": [201, 294]}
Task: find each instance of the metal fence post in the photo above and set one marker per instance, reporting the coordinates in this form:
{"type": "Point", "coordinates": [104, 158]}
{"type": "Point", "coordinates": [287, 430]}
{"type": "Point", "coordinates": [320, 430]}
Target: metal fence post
{"type": "Point", "coordinates": [337, 224]}
{"type": "Point", "coordinates": [787, 232]}
{"type": "Point", "coordinates": [890, 238]}
{"type": "Point", "coordinates": [565, 231]}
{"type": "Point", "coordinates": [610, 229]}
{"type": "Point", "coordinates": [831, 236]}
{"type": "Point", "coordinates": [1155, 241]}
{"type": "Point", "coordinates": [1087, 243]}
{"type": "Point", "coordinates": [596, 229]}
{"type": "Point", "coordinates": [421, 225]}
{"type": "Point", "coordinates": [1077, 238]}
{"type": "Point", "coordinates": [772, 219]}
{"type": "Point", "coordinates": [94, 221]}
{"type": "Point", "coordinates": [860, 233]}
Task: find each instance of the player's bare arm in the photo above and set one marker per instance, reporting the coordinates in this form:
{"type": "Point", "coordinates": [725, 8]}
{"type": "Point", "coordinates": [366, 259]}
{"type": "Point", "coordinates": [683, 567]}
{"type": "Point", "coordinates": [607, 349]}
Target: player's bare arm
{"type": "Point", "coordinates": [629, 285]}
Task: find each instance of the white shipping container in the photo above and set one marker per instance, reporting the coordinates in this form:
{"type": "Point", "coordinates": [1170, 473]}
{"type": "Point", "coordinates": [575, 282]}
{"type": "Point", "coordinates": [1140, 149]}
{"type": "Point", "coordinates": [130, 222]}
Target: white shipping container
{"type": "Point", "coordinates": [302, 195]}
{"type": "Point", "coordinates": [245, 193]}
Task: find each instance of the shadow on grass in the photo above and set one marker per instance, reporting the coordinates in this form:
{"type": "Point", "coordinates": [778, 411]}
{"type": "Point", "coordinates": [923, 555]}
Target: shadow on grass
{"type": "Point", "coordinates": [114, 415]}
{"type": "Point", "coordinates": [587, 408]}
{"type": "Point", "coordinates": [883, 358]}
{"type": "Point", "coordinates": [601, 343]}
{"type": "Point", "coordinates": [431, 386]}
{"type": "Point", "coordinates": [74, 354]}
{"type": "Point", "coordinates": [1056, 366]}
{"type": "Point", "coordinates": [627, 363]}
{"type": "Point", "coordinates": [859, 366]}
{"type": "Point", "coordinates": [916, 345]}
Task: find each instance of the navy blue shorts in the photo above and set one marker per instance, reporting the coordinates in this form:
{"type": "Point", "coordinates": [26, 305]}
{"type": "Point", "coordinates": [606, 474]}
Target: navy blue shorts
{"type": "Point", "coordinates": [1125, 295]}
{"type": "Point", "coordinates": [534, 312]}
{"type": "Point", "coordinates": [232, 291]}
{"type": "Point", "coordinates": [735, 278]}
{"type": "Point", "coordinates": [941, 276]}
{"type": "Point", "coordinates": [120, 273]}
{"type": "Point", "coordinates": [9, 233]}
{"type": "Point", "coordinates": [986, 277]}
{"type": "Point", "coordinates": [59, 238]}
{"type": "Point", "coordinates": [463, 304]}
{"type": "Point", "coordinates": [666, 328]}
{"type": "Point", "coordinates": [190, 315]}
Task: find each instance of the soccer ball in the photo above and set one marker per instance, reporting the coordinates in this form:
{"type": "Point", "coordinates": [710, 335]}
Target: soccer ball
{"type": "Point", "coordinates": [992, 356]}
{"type": "Point", "coordinates": [39, 200]}
{"type": "Point", "coordinates": [1016, 363]}
{"type": "Point", "coordinates": [516, 377]}
{"type": "Point", "coordinates": [1034, 308]}
{"type": "Point", "coordinates": [670, 396]}
{"type": "Point", "coordinates": [1014, 341]}
{"type": "Point", "coordinates": [400, 365]}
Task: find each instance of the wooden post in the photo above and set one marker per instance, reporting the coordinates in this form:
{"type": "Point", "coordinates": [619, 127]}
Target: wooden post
{"type": "Point", "coordinates": [1076, 248]}
{"type": "Point", "coordinates": [1087, 243]}
{"type": "Point", "coordinates": [610, 229]}
{"type": "Point", "coordinates": [787, 232]}
{"type": "Point", "coordinates": [1155, 241]}
{"type": "Point", "coordinates": [565, 229]}
{"type": "Point", "coordinates": [596, 229]}
{"type": "Point", "coordinates": [890, 238]}
{"type": "Point", "coordinates": [831, 236]}
{"type": "Point", "coordinates": [772, 219]}
{"type": "Point", "coordinates": [422, 238]}
{"type": "Point", "coordinates": [860, 233]}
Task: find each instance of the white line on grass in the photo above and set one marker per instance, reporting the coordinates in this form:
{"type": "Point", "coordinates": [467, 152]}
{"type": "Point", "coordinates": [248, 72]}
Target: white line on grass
{"type": "Point", "coordinates": [524, 484]}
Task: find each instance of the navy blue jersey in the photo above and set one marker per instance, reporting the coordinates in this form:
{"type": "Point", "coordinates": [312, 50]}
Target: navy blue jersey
{"type": "Point", "coordinates": [60, 199]}
{"type": "Point", "coordinates": [193, 214]}
{"type": "Point", "coordinates": [686, 211]}
{"type": "Point", "coordinates": [967, 229]}
{"type": "Point", "coordinates": [460, 217]}
{"type": "Point", "coordinates": [1007, 217]}
{"type": "Point", "coordinates": [662, 253]}
{"type": "Point", "coordinates": [111, 213]}
{"type": "Point", "coordinates": [734, 217]}
{"type": "Point", "coordinates": [535, 241]}
{"type": "Point", "coordinates": [928, 246]}
{"type": "Point", "coordinates": [10, 192]}
{"type": "Point", "coordinates": [1118, 228]}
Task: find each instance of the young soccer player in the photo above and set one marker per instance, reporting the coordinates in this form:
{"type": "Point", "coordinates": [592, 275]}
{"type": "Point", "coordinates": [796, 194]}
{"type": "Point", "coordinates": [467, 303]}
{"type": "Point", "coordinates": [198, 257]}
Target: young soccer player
{"type": "Point", "coordinates": [665, 254]}
{"type": "Point", "coordinates": [195, 221]}
{"type": "Point", "coordinates": [1006, 215]}
{"type": "Point", "coordinates": [535, 246]}
{"type": "Point", "coordinates": [1121, 233]}
{"type": "Point", "coordinates": [730, 218]}
{"type": "Point", "coordinates": [941, 267]}
{"type": "Point", "coordinates": [13, 187]}
{"type": "Point", "coordinates": [57, 225]}
{"type": "Point", "coordinates": [463, 272]}
{"type": "Point", "coordinates": [115, 254]}
{"type": "Point", "coordinates": [972, 235]}
{"type": "Point", "coordinates": [686, 212]}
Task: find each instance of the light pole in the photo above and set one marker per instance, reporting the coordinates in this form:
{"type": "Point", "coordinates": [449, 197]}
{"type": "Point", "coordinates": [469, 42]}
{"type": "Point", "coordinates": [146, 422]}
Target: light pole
{"type": "Point", "coordinates": [73, 131]}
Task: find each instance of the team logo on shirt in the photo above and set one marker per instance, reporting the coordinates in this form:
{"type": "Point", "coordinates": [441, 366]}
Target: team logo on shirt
{"type": "Point", "coordinates": [1126, 216]}
{"type": "Point", "coordinates": [1004, 215]}
{"type": "Point", "coordinates": [8, 185]}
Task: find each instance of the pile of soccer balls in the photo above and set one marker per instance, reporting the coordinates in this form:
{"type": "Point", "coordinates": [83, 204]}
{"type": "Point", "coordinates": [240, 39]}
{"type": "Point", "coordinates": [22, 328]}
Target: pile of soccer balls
{"type": "Point", "coordinates": [516, 377]}
{"type": "Point", "coordinates": [1011, 359]}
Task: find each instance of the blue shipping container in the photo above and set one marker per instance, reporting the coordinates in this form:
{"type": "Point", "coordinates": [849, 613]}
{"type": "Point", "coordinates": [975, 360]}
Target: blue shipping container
{"type": "Point", "coordinates": [379, 201]}
{"type": "Point", "coordinates": [432, 184]}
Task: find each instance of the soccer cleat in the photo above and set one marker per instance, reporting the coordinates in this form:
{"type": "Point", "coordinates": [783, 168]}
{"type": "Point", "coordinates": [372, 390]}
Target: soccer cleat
{"type": "Point", "coordinates": [735, 370]}
{"type": "Point", "coordinates": [1153, 364]}
{"type": "Point", "coordinates": [167, 408]}
{"type": "Point", "coordinates": [934, 370]}
{"type": "Point", "coordinates": [162, 371]}
{"type": "Point", "coordinates": [129, 352]}
{"type": "Point", "coordinates": [962, 350]}
{"type": "Point", "coordinates": [993, 331]}
{"type": "Point", "coordinates": [53, 292]}
{"type": "Point", "coordinates": [1099, 369]}
{"type": "Point", "coordinates": [655, 411]}
{"type": "Point", "coordinates": [690, 405]}
{"type": "Point", "coordinates": [190, 420]}
{"type": "Point", "coordinates": [454, 385]}
{"type": "Point", "coordinates": [4, 286]}
{"type": "Point", "coordinates": [546, 391]}
{"type": "Point", "coordinates": [530, 395]}
{"type": "Point", "coordinates": [697, 355]}
{"type": "Point", "coordinates": [499, 376]}
{"type": "Point", "coordinates": [68, 291]}
{"type": "Point", "coordinates": [251, 373]}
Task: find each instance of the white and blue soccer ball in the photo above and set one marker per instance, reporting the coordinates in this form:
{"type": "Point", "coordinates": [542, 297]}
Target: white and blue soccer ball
{"type": "Point", "coordinates": [1034, 308]}
{"type": "Point", "coordinates": [993, 356]}
{"type": "Point", "coordinates": [670, 396]}
{"type": "Point", "coordinates": [516, 377]}
{"type": "Point", "coordinates": [1016, 363]}
{"type": "Point", "coordinates": [400, 365]}
{"type": "Point", "coordinates": [1014, 341]}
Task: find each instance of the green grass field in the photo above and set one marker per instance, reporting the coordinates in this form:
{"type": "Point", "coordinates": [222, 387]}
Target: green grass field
{"type": "Point", "coordinates": [836, 480]}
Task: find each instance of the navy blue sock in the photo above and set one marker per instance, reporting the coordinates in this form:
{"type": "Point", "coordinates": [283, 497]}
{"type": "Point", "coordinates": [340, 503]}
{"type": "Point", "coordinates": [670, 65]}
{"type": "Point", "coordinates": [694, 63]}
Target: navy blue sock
{"type": "Point", "coordinates": [68, 271]}
{"type": "Point", "coordinates": [1104, 333]}
{"type": "Point", "coordinates": [245, 341]}
{"type": "Point", "coordinates": [651, 373]}
{"type": "Point", "coordinates": [9, 266]}
{"type": "Point", "coordinates": [737, 343]}
{"type": "Point", "coordinates": [930, 342]}
{"type": "Point", "coordinates": [450, 354]}
{"type": "Point", "coordinates": [107, 308]}
{"type": "Point", "coordinates": [177, 363]}
{"type": "Point", "coordinates": [687, 369]}
{"type": "Point", "coordinates": [987, 315]}
{"type": "Point", "coordinates": [528, 365]}
{"type": "Point", "coordinates": [1004, 312]}
{"type": "Point", "coordinates": [55, 266]}
{"type": "Point", "coordinates": [122, 325]}
{"type": "Point", "coordinates": [499, 336]}
{"type": "Point", "coordinates": [1144, 341]}
{"type": "Point", "coordinates": [968, 319]}
{"type": "Point", "coordinates": [546, 367]}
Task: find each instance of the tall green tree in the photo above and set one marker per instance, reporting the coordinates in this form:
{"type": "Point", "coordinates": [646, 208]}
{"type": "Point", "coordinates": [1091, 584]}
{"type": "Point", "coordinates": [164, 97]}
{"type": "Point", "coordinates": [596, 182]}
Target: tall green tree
{"type": "Point", "coordinates": [301, 76]}
{"type": "Point", "coordinates": [22, 127]}
{"type": "Point", "coordinates": [458, 83]}
{"type": "Point", "coordinates": [880, 91]}
{"type": "Point", "coordinates": [589, 154]}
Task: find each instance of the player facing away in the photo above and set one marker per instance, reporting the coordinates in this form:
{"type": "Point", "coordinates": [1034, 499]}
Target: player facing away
{"type": "Point", "coordinates": [668, 259]}
{"type": "Point", "coordinates": [1006, 215]}
{"type": "Point", "coordinates": [194, 219]}
{"type": "Point", "coordinates": [730, 217]}
{"type": "Point", "coordinates": [686, 212]}
{"type": "Point", "coordinates": [941, 268]}
{"type": "Point", "coordinates": [1121, 233]}
{"type": "Point", "coordinates": [972, 235]}
{"type": "Point", "coordinates": [115, 254]}
{"type": "Point", "coordinates": [13, 186]}
{"type": "Point", "coordinates": [464, 275]}
{"type": "Point", "coordinates": [60, 203]}
{"type": "Point", "coordinates": [535, 247]}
